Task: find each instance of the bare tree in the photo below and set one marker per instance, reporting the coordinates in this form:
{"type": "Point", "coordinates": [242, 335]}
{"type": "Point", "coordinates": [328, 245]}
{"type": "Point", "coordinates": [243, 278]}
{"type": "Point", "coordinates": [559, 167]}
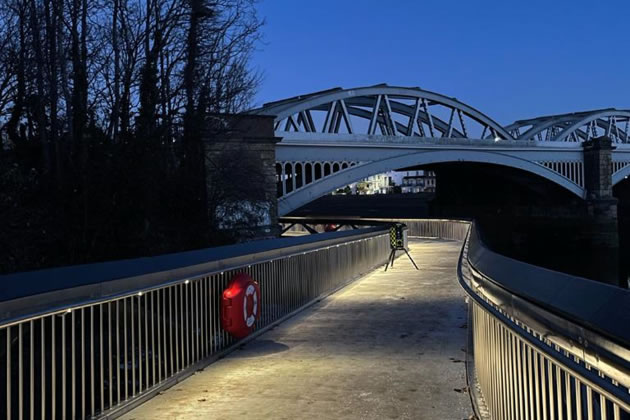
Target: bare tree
{"type": "Point", "coordinates": [102, 106]}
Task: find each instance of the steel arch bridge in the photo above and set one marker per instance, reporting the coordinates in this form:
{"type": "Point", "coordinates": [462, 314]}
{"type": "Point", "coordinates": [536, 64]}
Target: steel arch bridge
{"type": "Point", "coordinates": [339, 136]}
{"type": "Point", "coordinates": [575, 127]}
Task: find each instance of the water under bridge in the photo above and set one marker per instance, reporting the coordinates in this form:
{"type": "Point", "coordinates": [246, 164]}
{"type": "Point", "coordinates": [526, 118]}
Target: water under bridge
{"type": "Point", "coordinates": [337, 338]}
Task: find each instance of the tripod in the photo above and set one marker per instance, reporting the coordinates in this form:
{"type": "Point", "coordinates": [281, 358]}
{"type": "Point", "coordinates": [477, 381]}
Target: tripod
{"type": "Point", "coordinates": [392, 255]}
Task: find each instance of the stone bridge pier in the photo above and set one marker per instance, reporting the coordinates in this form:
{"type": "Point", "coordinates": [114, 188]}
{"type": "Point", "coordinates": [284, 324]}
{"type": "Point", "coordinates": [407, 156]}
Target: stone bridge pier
{"type": "Point", "coordinates": [601, 232]}
{"type": "Point", "coordinates": [240, 161]}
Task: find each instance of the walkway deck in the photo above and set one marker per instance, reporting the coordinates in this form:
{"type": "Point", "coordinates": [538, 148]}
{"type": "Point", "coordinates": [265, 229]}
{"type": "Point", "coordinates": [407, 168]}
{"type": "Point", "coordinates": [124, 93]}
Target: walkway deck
{"type": "Point", "coordinates": [389, 346]}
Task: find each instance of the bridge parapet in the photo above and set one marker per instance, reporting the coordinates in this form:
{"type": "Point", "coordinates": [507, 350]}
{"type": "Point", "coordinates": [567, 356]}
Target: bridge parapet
{"type": "Point", "coordinates": [305, 170]}
{"type": "Point", "coordinates": [97, 340]}
{"type": "Point", "coordinates": [544, 344]}
{"type": "Point", "coordinates": [542, 341]}
{"type": "Point", "coordinates": [308, 171]}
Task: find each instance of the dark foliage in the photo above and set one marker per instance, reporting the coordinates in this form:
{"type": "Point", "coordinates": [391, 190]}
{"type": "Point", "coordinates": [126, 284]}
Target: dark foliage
{"type": "Point", "coordinates": [101, 106]}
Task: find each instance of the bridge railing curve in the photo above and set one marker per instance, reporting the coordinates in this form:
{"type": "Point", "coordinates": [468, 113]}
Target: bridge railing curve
{"type": "Point", "coordinates": [535, 353]}
{"type": "Point", "coordinates": [100, 348]}
{"type": "Point", "coordinates": [544, 345]}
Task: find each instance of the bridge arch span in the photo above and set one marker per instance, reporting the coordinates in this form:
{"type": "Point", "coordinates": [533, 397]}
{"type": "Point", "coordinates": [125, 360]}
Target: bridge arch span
{"type": "Point", "coordinates": [382, 109]}
{"type": "Point", "coordinates": [334, 181]}
{"type": "Point", "coordinates": [575, 127]}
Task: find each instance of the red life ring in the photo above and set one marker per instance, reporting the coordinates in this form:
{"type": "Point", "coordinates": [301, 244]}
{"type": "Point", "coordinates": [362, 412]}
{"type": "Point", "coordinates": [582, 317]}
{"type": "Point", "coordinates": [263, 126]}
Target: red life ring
{"type": "Point", "coordinates": [240, 306]}
{"type": "Point", "coordinates": [330, 227]}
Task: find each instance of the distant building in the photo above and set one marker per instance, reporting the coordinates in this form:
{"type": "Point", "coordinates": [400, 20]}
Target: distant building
{"type": "Point", "coordinates": [377, 184]}
{"type": "Point", "coordinates": [418, 181]}
{"type": "Point", "coordinates": [408, 181]}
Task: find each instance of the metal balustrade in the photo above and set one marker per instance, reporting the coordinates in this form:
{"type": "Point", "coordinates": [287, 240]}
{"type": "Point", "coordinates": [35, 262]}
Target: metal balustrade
{"type": "Point", "coordinates": [538, 349]}
{"type": "Point", "coordinates": [417, 228]}
{"type": "Point", "coordinates": [434, 228]}
{"type": "Point", "coordinates": [558, 358]}
{"type": "Point", "coordinates": [99, 358]}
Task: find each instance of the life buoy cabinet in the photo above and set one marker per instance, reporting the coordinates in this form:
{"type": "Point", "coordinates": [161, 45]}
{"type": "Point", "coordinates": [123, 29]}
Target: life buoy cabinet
{"type": "Point", "coordinates": [240, 305]}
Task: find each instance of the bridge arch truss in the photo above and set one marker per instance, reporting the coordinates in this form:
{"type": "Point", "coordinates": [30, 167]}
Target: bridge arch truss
{"type": "Point", "coordinates": [382, 110]}
{"type": "Point", "coordinates": [575, 127]}
{"type": "Point", "coordinates": [340, 136]}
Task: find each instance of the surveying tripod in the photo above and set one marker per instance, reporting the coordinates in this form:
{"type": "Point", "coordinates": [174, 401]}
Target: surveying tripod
{"type": "Point", "coordinates": [397, 241]}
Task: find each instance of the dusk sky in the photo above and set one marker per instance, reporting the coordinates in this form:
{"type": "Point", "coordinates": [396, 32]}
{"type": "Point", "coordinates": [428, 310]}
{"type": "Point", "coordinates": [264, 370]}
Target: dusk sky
{"type": "Point", "coordinates": [509, 59]}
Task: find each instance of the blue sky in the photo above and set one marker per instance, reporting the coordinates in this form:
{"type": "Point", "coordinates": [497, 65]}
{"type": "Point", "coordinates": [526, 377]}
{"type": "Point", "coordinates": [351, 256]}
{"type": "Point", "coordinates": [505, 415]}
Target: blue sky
{"type": "Point", "coordinates": [510, 59]}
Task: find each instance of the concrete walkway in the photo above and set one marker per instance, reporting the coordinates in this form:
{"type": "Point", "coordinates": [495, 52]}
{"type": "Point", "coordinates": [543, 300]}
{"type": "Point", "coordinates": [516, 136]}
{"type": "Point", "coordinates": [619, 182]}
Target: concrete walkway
{"type": "Point", "coordinates": [389, 346]}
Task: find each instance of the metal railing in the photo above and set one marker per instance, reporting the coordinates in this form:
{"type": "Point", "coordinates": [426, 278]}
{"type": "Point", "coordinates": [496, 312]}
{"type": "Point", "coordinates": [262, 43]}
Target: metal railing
{"type": "Point", "coordinates": [539, 349]}
{"type": "Point", "coordinates": [434, 228]}
{"type": "Point", "coordinates": [417, 228]}
{"type": "Point", "coordinates": [100, 357]}
{"type": "Point", "coordinates": [536, 354]}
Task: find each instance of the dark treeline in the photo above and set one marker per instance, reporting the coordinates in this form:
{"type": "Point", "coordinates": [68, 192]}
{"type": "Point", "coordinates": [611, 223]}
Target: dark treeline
{"type": "Point", "coordinates": [101, 106]}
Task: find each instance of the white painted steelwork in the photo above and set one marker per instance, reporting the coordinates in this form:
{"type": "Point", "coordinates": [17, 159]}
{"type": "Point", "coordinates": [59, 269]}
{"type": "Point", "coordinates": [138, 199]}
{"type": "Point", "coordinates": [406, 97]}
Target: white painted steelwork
{"type": "Point", "coordinates": [382, 109]}
{"type": "Point", "coordinates": [330, 134]}
{"type": "Point", "coordinates": [568, 174]}
{"type": "Point", "coordinates": [575, 127]}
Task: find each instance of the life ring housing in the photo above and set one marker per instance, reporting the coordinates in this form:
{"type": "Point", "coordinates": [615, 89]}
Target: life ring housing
{"type": "Point", "coordinates": [240, 305]}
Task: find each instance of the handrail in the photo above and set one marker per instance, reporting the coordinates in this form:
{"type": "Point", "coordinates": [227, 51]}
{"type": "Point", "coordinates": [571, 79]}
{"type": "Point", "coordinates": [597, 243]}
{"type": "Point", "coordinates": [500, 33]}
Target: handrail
{"type": "Point", "coordinates": [27, 293]}
{"type": "Point", "coordinates": [118, 343]}
{"type": "Point", "coordinates": [417, 228]}
{"type": "Point", "coordinates": [535, 354]}
{"type": "Point", "coordinates": [532, 356]}
{"type": "Point", "coordinates": [589, 304]}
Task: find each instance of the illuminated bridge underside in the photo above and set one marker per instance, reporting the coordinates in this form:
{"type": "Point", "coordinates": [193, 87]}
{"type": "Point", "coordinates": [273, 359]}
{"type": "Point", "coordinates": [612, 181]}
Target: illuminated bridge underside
{"type": "Point", "coordinates": [339, 136]}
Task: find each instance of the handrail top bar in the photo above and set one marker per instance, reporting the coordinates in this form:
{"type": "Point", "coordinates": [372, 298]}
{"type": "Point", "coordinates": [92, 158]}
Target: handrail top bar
{"type": "Point", "coordinates": [594, 306]}
{"type": "Point", "coordinates": [24, 293]}
{"type": "Point", "coordinates": [359, 220]}
{"type": "Point", "coordinates": [557, 355]}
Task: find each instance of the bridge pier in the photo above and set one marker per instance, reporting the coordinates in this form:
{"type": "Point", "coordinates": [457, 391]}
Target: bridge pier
{"type": "Point", "coordinates": [601, 232]}
{"type": "Point", "coordinates": [241, 172]}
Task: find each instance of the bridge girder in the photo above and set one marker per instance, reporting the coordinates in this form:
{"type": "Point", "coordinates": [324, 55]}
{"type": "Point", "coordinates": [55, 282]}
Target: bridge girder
{"type": "Point", "coordinates": [347, 131]}
{"type": "Point", "coordinates": [335, 180]}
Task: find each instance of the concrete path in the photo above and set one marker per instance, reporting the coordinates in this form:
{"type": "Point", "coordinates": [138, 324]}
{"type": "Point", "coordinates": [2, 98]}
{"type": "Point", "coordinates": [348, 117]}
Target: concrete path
{"type": "Point", "coordinates": [389, 346]}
